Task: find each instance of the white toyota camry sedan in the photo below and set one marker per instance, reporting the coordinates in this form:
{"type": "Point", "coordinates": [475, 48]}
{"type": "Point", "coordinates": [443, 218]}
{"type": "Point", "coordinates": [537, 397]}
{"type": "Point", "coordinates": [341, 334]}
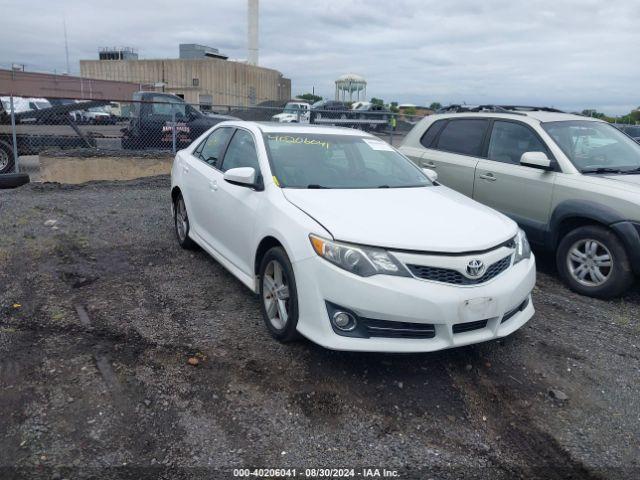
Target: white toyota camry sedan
{"type": "Point", "coordinates": [347, 242]}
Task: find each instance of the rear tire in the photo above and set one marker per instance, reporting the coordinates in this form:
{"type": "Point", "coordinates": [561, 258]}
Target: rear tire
{"type": "Point", "coordinates": [279, 295]}
{"type": "Point", "coordinates": [181, 224]}
{"type": "Point", "coordinates": [592, 261]}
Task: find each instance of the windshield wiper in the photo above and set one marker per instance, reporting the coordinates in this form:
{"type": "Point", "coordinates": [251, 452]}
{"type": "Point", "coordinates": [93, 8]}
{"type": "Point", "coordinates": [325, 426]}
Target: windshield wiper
{"type": "Point", "coordinates": [602, 170]}
{"type": "Point", "coordinates": [633, 170]}
{"type": "Point", "coordinates": [316, 186]}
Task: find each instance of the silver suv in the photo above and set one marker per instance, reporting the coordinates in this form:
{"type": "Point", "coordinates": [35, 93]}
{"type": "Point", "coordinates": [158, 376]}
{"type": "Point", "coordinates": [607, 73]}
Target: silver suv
{"type": "Point", "coordinates": [571, 182]}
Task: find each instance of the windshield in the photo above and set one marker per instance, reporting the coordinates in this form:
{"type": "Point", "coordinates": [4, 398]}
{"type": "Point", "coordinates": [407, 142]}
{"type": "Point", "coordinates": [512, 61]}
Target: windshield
{"type": "Point", "coordinates": [595, 146]}
{"type": "Point", "coordinates": [292, 108]}
{"type": "Point", "coordinates": [339, 161]}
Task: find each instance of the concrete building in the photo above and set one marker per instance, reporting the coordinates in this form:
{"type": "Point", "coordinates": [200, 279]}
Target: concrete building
{"type": "Point", "coordinates": [206, 79]}
{"type": "Point", "coordinates": [193, 51]}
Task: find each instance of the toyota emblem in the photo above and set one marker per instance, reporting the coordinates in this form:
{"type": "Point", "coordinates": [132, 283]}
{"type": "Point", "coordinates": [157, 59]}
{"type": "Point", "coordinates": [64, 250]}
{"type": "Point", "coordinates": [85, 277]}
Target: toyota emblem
{"type": "Point", "coordinates": [475, 268]}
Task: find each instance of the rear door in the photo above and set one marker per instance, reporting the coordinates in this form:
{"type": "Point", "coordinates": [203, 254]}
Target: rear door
{"type": "Point", "coordinates": [522, 193]}
{"type": "Point", "coordinates": [202, 179]}
{"type": "Point", "coordinates": [156, 114]}
{"type": "Point", "coordinates": [453, 149]}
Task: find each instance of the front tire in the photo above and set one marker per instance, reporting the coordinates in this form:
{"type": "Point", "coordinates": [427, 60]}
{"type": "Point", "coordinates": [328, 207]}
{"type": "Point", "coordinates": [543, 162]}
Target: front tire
{"type": "Point", "coordinates": [181, 224]}
{"type": "Point", "coordinates": [279, 295]}
{"type": "Point", "coordinates": [593, 261]}
{"type": "Point", "coordinates": [6, 158]}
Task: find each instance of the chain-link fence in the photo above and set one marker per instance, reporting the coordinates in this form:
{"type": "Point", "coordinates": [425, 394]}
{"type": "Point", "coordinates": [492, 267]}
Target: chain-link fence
{"type": "Point", "coordinates": [631, 130]}
{"type": "Point", "coordinates": [155, 121]}
{"type": "Point", "coordinates": [158, 121]}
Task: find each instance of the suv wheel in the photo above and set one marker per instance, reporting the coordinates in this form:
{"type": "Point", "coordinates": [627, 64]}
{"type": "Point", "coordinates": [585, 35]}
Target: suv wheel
{"type": "Point", "coordinates": [592, 261]}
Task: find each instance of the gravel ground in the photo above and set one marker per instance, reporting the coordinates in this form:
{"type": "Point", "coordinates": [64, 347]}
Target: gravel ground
{"type": "Point", "coordinates": [100, 312]}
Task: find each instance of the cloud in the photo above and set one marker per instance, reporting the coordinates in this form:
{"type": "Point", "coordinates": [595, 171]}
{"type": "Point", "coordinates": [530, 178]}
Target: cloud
{"type": "Point", "coordinates": [571, 54]}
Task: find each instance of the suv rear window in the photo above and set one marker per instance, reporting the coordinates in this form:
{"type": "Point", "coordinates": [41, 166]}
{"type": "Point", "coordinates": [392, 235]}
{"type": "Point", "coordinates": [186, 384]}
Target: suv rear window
{"type": "Point", "coordinates": [431, 133]}
{"type": "Point", "coordinates": [463, 136]}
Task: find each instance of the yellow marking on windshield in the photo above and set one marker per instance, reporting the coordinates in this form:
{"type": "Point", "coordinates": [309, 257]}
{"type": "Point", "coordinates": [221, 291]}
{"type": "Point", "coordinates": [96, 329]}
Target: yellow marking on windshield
{"type": "Point", "coordinates": [275, 180]}
{"type": "Point", "coordinates": [298, 140]}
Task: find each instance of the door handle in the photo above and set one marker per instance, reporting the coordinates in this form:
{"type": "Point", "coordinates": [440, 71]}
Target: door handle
{"type": "Point", "coordinates": [488, 176]}
{"type": "Point", "coordinates": [213, 185]}
{"type": "Point", "coordinates": [429, 164]}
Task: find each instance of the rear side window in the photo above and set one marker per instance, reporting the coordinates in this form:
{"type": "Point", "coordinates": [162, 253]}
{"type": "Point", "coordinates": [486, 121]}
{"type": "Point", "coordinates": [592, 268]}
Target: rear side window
{"type": "Point", "coordinates": [431, 133]}
{"type": "Point", "coordinates": [464, 136]}
{"type": "Point", "coordinates": [213, 147]}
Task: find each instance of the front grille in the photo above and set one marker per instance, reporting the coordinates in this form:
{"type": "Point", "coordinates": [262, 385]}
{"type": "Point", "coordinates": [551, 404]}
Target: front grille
{"type": "Point", "coordinates": [511, 313]}
{"type": "Point", "coordinates": [469, 326]}
{"type": "Point", "coordinates": [446, 275]}
{"type": "Point", "coordinates": [391, 329]}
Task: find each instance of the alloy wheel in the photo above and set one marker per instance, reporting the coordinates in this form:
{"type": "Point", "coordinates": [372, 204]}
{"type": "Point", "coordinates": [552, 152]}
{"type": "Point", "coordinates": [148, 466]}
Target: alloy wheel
{"type": "Point", "coordinates": [182, 221]}
{"type": "Point", "coordinates": [275, 294]}
{"type": "Point", "coordinates": [590, 262]}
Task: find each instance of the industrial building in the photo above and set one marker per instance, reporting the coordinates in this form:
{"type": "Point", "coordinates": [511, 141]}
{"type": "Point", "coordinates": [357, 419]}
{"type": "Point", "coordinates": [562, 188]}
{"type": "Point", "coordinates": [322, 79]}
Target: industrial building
{"type": "Point", "coordinates": [201, 75]}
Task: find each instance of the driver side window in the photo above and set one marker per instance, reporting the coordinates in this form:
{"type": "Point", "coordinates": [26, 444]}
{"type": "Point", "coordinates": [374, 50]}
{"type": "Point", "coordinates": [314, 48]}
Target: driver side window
{"type": "Point", "coordinates": [241, 152]}
{"type": "Point", "coordinates": [510, 140]}
{"type": "Point", "coordinates": [213, 147]}
{"type": "Point", "coordinates": [165, 106]}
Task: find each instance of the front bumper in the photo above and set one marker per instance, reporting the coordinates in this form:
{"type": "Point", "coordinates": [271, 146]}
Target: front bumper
{"type": "Point", "coordinates": [403, 299]}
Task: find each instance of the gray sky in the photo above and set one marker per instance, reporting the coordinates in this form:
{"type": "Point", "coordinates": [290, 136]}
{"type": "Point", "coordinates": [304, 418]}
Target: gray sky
{"type": "Point", "coordinates": [571, 54]}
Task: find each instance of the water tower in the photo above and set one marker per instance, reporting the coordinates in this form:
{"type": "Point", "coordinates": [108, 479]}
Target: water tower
{"type": "Point", "coordinates": [350, 84]}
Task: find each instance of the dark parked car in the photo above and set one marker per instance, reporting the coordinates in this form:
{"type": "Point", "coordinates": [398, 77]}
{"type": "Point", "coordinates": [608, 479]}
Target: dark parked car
{"type": "Point", "coordinates": [376, 116]}
{"type": "Point", "coordinates": [328, 109]}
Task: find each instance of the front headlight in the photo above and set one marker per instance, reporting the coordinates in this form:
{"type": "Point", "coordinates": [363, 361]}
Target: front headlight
{"type": "Point", "coordinates": [363, 261]}
{"type": "Point", "coordinates": [523, 249]}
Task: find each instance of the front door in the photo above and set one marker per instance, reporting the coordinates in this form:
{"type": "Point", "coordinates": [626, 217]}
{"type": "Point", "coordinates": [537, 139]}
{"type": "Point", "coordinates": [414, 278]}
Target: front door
{"type": "Point", "coordinates": [522, 193]}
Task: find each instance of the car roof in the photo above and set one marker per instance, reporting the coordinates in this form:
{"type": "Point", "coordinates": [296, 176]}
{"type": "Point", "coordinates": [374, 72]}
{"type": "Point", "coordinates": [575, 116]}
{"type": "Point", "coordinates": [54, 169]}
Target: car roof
{"type": "Point", "coordinates": [539, 115]}
{"type": "Point", "coordinates": [274, 127]}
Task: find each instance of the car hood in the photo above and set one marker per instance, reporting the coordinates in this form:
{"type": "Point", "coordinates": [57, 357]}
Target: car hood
{"type": "Point", "coordinates": [435, 219]}
{"type": "Point", "coordinates": [285, 115]}
{"type": "Point", "coordinates": [632, 179]}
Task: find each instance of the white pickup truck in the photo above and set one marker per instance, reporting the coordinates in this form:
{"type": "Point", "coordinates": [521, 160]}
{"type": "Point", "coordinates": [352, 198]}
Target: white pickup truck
{"type": "Point", "coordinates": [294, 112]}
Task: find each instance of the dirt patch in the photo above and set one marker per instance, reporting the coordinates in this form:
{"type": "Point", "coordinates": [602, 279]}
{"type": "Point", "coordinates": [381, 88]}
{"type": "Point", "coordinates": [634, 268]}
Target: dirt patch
{"type": "Point", "coordinates": [80, 166]}
{"type": "Point", "coordinates": [111, 394]}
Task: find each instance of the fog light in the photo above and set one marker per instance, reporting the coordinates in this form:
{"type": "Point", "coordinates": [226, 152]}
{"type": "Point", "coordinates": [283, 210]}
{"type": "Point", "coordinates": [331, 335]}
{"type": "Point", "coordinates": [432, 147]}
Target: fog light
{"type": "Point", "coordinates": [344, 321]}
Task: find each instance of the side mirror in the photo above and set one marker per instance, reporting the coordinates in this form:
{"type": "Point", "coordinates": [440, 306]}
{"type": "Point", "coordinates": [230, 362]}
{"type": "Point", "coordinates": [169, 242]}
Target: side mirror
{"type": "Point", "coordinates": [242, 176]}
{"type": "Point", "coordinates": [431, 174]}
{"type": "Point", "coordinates": [536, 160]}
